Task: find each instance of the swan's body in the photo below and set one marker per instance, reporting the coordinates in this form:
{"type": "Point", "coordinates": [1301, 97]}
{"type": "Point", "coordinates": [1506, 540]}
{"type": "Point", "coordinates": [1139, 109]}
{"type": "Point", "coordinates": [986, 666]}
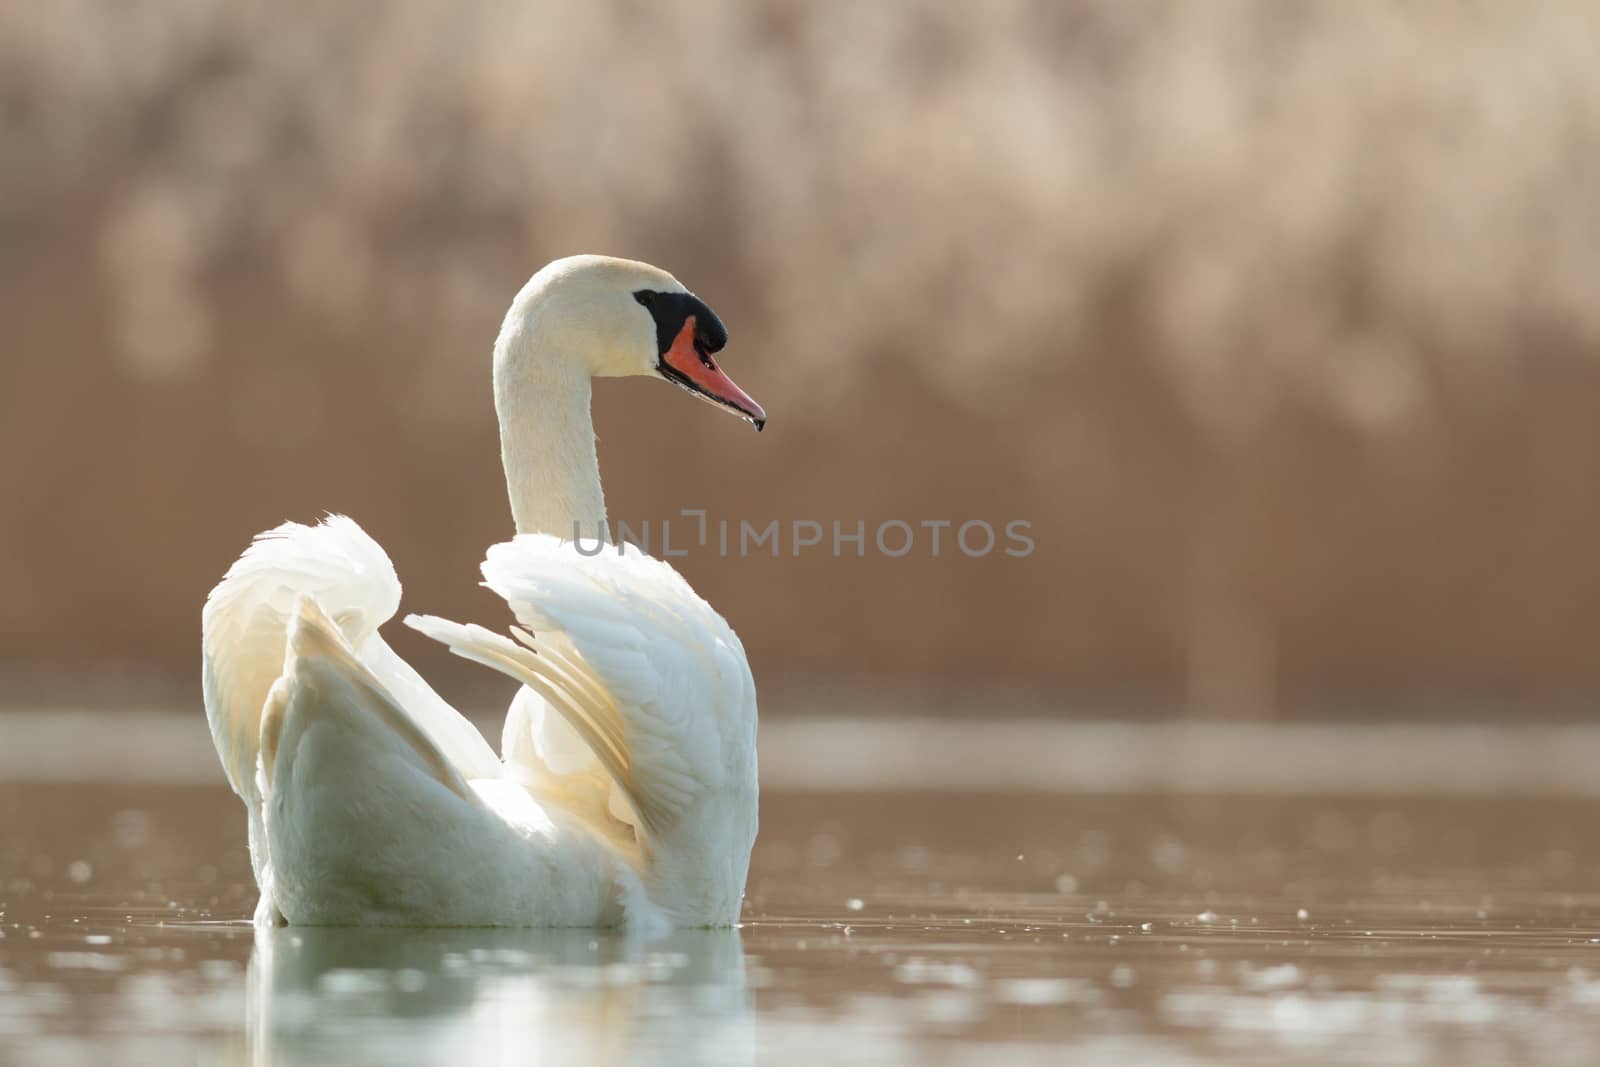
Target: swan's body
{"type": "Point", "coordinates": [627, 789]}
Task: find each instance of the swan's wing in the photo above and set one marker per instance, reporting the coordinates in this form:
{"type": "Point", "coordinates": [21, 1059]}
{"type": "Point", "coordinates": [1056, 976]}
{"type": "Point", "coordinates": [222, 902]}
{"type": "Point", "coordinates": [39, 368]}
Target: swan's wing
{"type": "Point", "coordinates": [245, 623]}
{"type": "Point", "coordinates": [448, 729]}
{"type": "Point", "coordinates": [365, 819]}
{"type": "Point", "coordinates": [317, 649]}
{"type": "Point", "coordinates": [648, 675]}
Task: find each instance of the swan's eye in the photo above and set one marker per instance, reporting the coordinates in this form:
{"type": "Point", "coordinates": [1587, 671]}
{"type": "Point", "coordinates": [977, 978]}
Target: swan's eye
{"type": "Point", "coordinates": [645, 297]}
{"type": "Point", "coordinates": [709, 336]}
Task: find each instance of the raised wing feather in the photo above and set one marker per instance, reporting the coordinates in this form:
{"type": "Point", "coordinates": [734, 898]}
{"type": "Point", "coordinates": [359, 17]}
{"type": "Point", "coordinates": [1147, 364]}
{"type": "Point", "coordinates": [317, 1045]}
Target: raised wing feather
{"type": "Point", "coordinates": [315, 640]}
{"type": "Point", "coordinates": [456, 738]}
{"type": "Point", "coordinates": [245, 623]}
{"type": "Point", "coordinates": [648, 675]}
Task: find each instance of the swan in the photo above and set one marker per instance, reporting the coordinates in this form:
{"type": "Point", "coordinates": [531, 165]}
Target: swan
{"type": "Point", "coordinates": [625, 792]}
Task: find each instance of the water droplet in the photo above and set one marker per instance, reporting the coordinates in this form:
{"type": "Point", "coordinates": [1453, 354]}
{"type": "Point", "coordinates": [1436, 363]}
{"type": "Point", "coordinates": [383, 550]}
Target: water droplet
{"type": "Point", "coordinates": [1147, 927]}
{"type": "Point", "coordinates": [854, 904]}
{"type": "Point", "coordinates": [79, 871]}
{"type": "Point", "coordinates": [1302, 915]}
{"type": "Point", "coordinates": [1206, 917]}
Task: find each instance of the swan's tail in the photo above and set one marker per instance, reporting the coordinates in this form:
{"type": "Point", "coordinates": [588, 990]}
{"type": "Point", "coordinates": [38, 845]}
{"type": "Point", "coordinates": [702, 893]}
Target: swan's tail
{"type": "Point", "coordinates": [246, 623]}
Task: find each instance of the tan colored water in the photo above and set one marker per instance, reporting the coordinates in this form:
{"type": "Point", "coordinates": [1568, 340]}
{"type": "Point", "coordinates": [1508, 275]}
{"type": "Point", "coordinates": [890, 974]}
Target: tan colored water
{"type": "Point", "coordinates": [899, 928]}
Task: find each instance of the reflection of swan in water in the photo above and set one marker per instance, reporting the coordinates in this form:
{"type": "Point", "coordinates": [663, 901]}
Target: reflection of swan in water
{"type": "Point", "coordinates": [487, 996]}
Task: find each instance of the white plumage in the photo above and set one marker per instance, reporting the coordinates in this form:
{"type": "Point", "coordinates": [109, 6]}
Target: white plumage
{"type": "Point", "coordinates": [627, 791]}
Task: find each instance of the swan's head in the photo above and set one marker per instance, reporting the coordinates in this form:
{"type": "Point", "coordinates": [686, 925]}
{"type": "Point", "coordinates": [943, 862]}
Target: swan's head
{"type": "Point", "coordinates": [619, 318]}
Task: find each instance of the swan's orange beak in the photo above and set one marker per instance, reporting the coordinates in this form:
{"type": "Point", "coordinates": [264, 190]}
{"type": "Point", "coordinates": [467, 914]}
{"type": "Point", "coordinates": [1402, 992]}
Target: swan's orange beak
{"type": "Point", "coordinates": [689, 364]}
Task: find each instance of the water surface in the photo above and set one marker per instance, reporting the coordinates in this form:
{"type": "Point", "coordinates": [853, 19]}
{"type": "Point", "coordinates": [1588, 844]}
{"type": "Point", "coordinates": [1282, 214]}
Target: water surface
{"type": "Point", "coordinates": [905, 928]}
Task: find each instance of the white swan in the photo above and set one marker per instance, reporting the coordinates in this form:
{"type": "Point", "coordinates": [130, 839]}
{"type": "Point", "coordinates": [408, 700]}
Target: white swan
{"type": "Point", "coordinates": [627, 792]}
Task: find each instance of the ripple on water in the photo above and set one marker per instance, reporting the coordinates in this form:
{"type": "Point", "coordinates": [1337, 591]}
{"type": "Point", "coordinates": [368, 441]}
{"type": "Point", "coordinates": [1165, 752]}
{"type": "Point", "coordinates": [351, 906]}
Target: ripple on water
{"type": "Point", "coordinates": [1181, 935]}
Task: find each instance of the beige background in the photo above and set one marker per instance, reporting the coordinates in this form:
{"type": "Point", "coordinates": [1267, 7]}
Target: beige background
{"type": "Point", "coordinates": [1277, 321]}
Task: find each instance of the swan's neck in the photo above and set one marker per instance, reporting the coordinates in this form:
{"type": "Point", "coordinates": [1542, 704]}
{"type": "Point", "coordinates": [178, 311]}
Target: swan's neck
{"type": "Point", "coordinates": [547, 441]}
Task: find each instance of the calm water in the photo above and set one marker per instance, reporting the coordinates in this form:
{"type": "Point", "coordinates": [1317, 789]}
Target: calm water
{"type": "Point", "coordinates": [884, 928]}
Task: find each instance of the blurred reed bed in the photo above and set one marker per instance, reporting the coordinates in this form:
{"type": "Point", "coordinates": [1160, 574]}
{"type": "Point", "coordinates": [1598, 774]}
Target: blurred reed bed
{"type": "Point", "coordinates": [1277, 320]}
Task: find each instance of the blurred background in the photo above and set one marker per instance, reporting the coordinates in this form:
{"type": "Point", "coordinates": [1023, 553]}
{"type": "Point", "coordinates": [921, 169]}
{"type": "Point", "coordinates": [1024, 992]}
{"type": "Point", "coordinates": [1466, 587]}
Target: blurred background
{"type": "Point", "coordinates": [1278, 321]}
